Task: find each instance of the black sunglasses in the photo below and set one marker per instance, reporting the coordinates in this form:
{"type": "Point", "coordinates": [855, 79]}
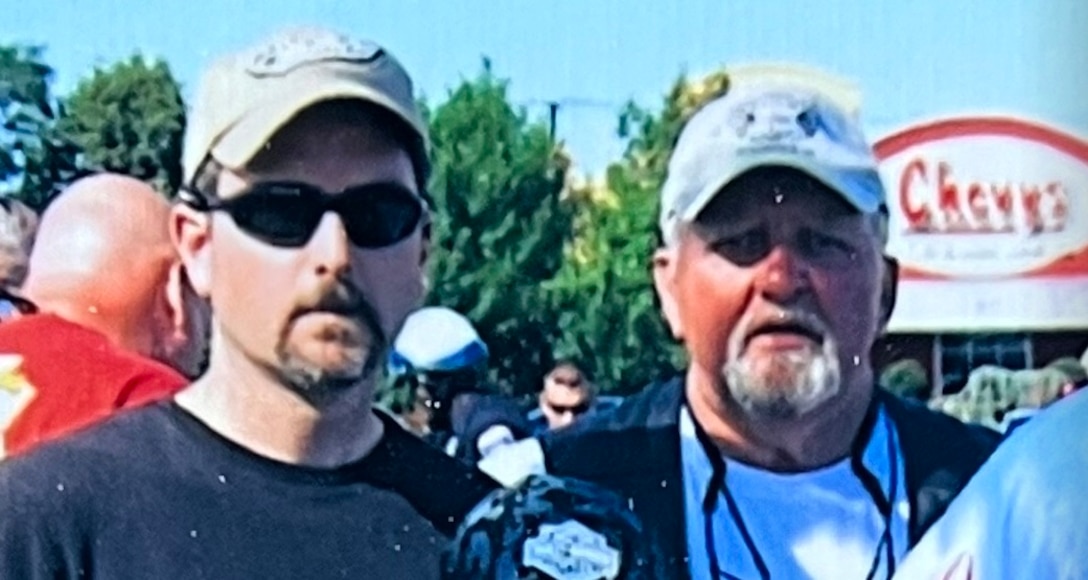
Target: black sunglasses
{"type": "Point", "coordinates": [578, 409]}
{"type": "Point", "coordinates": [286, 214]}
{"type": "Point", "coordinates": [11, 304]}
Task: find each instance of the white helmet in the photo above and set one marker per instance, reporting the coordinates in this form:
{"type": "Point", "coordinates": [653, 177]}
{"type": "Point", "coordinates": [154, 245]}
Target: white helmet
{"type": "Point", "coordinates": [436, 339]}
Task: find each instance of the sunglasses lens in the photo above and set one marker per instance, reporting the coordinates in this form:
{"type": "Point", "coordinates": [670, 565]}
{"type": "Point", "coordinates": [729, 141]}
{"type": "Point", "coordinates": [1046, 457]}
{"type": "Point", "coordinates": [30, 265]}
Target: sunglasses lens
{"type": "Point", "coordinates": [279, 215]}
{"type": "Point", "coordinates": [374, 216]}
{"type": "Point", "coordinates": [11, 306]}
{"type": "Point", "coordinates": [8, 310]}
{"type": "Point", "coordinates": [379, 215]}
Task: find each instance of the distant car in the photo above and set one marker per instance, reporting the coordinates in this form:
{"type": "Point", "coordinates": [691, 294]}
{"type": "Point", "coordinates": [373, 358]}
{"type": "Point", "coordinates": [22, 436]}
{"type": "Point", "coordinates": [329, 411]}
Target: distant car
{"type": "Point", "coordinates": [604, 403]}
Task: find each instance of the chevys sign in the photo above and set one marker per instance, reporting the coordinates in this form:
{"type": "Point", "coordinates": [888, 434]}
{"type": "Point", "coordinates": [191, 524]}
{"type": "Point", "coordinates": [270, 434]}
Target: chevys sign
{"type": "Point", "coordinates": [989, 219]}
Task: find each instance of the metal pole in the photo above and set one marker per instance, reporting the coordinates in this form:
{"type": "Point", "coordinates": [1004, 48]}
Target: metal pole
{"type": "Point", "coordinates": [553, 110]}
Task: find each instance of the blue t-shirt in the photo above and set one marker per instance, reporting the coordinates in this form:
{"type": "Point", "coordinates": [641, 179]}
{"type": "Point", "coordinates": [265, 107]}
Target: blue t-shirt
{"type": "Point", "coordinates": [1024, 514]}
{"type": "Point", "coordinates": [816, 524]}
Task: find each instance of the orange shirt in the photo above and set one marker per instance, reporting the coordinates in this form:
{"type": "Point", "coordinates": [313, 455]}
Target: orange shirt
{"type": "Point", "coordinates": [57, 377]}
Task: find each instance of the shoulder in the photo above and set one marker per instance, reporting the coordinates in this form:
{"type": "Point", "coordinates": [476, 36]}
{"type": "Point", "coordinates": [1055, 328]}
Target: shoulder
{"type": "Point", "coordinates": [44, 329]}
{"type": "Point", "coordinates": [109, 444]}
{"type": "Point", "coordinates": [40, 335]}
{"type": "Point", "coordinates": [925, 431]}
{"type": "Point", "coordinates": [474, 414]}
{"type": "Point", "coordinates": [141, 380]}
{"type": "Point", "coordinates": [940, 455]}
{"type": "Point", "coordinates": [441, 488]}
{"type": "Point", "coordinates": [633, 435]}
{"type": "Point", "coordinates": [46, 342]}
{"type": "Point", "coordinates": [74, 470]}
{"type": "Point", "coordinates": [1031, 487]}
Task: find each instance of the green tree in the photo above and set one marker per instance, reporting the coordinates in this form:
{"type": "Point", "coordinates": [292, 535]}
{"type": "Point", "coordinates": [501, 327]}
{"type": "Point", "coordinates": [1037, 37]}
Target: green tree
{"type": "Point", "coordinates": [500, 226]}
{"type": "Point", "coordinates": [129, 118]}
{"type": "Point", "coordinates": [610, 318]}
{"type": "Point", "coordinates": [35, 161]}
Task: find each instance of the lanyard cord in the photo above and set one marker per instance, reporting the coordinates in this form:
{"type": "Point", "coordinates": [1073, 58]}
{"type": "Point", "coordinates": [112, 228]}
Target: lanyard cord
{"type": "Point", "coordinates": [717, 487]}
{"type": "Point", "coordinates": [871, 483]}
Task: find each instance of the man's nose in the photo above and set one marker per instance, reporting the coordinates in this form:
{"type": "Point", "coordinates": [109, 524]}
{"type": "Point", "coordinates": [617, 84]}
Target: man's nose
{"type": "Point", "coordinates": [782, 275]}
{"type": "Point", "coordinates": [330, 247]}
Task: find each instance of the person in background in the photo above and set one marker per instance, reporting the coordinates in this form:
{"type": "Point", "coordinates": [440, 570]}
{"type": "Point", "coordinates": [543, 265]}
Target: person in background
{"type": "Point", "coordinates": [906, 378]}
{"type": "Point", "coordinates": [18, 227]}
{"type": "Point", "coordinates": [567, 395]}
{"type": "Point", "coordinates": [13, 305]}
{"type": "Point", "coordinates": [117, 324]}
{"type": "Point", "coordinates": [1045, 386]}
{"type": "Point", "coordinates": [1023, 515]}
{"type": "Point", "coordinates": [440, 354]}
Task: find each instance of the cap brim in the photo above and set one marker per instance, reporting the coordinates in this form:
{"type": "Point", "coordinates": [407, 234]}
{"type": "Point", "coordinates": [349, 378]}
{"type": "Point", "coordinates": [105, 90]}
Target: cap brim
{"type": "Point", "coordinates": [859, 187]}
{"type": "Point", "coordinates": [245, 139]}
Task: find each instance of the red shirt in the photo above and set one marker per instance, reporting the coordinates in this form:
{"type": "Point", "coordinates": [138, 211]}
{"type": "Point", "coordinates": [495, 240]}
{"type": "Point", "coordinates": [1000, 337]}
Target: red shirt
{"type": "Point", "coordinates": [57, 377]}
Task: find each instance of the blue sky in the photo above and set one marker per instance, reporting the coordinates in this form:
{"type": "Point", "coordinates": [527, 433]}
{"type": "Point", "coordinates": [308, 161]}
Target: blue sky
{"type": "Point", "coordinates": [913, 60]}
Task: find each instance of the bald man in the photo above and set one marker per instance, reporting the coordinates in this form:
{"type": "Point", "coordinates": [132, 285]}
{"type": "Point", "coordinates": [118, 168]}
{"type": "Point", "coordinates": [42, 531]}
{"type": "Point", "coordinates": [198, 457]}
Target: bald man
{"type": "Point", "coordinates": [117, 324]}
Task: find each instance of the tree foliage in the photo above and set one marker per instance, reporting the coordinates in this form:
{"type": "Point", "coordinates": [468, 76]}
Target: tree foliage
{"type": "Point", "coordinates": [610, 317]}
{"type": "Point", "coordinates": [500, 227]}
{"type": "Point", "coordinates": [34, 158]}
{"type": "Point", "coordinates": [129, 118]}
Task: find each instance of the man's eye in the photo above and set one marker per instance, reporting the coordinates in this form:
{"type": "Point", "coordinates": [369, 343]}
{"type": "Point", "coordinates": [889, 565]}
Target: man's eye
{"type": "Point", "coordinates": [818, 245]}
{"type": "Point", "coordinates": [743, 248]}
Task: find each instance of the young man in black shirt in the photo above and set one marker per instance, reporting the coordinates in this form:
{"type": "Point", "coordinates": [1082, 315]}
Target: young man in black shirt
{"type": "Point", "coordinates": [305, 226]}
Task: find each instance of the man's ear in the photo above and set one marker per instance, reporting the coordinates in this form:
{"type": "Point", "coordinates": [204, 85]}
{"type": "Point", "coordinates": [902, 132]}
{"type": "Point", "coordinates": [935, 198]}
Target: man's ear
{"type": "Point", "coordinates": [664, 267]}
{"type": "Point", "coordinates": [425, 243]}
{"type": "Point", "coordinates": [425, 256]}
{"type": "Point", "coordinates": [175, 298]}
{"type": "Point", "coordinates": [889, 290]}
{"type": "Point", "coordinates": [190, 231]}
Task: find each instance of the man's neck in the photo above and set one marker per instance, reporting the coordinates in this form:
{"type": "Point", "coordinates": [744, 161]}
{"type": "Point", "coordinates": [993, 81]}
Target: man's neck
{"type": "Point", "coordinates": [247, 405]}
{"type": "Point", "coordinates": [821, 437]}
{"type": "Point", "coordinates": [129, 330]}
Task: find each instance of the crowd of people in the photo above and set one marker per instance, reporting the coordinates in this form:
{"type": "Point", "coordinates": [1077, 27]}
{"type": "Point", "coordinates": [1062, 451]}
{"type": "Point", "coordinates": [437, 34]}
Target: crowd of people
{"type": "Point", "coordinates": [187, 390]}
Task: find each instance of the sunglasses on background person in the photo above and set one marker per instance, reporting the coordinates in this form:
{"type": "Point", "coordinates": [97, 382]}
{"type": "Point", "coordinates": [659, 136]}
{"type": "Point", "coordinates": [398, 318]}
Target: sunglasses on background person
{"type": "Point", "coordinates": [578, 409]}
{"type": "Point", "coordinates": [12, 306]}
{"type": "Point", "coordinates": [286, 214]}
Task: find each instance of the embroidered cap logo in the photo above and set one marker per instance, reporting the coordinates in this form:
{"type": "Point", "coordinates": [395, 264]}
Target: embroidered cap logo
{"type": "Point", "coordinates": [306, 47]}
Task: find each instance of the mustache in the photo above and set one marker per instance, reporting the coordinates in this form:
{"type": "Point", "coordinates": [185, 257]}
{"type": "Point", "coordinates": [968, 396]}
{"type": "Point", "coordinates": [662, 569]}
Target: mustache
{"type": "Point", "coordinates": [792, 321]}
{"type": "Point", "coordinates": [339, 299]}
{"type": "Point", "coordinates": [345, 300]}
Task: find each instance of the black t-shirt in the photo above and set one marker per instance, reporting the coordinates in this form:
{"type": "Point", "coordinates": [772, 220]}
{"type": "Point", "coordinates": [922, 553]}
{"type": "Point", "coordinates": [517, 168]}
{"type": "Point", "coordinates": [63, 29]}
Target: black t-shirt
{"type": "Point", "coordinates": [155, 493]}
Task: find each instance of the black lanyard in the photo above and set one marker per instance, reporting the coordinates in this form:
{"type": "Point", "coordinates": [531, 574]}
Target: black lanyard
{"type": "Point", "coordinates": [717, 487]}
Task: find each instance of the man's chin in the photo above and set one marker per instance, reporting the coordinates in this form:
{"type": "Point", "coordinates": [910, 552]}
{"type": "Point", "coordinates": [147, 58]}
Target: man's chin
{"type": "Point", "coordinates": [322, 374]}
{"type": "Point", "coordinates": [779, 397]}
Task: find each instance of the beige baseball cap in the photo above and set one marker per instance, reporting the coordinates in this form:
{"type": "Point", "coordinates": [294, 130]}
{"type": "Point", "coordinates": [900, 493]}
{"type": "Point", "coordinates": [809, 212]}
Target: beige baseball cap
{"type": "Point", "coordinates": [245, 97]}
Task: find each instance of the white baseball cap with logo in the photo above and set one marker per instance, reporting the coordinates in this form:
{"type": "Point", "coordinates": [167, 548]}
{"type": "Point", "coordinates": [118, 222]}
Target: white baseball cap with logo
{"type": "Point", "coordinates": [769, 118]}
{"type": "Point", "coordinates": [436, 339]}
{"type": "Point", "coordinates": [244, 98]}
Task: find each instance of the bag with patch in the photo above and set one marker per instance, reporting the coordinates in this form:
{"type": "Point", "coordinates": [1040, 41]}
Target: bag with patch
{"type": "Point", "coordinates": [550, 528]}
